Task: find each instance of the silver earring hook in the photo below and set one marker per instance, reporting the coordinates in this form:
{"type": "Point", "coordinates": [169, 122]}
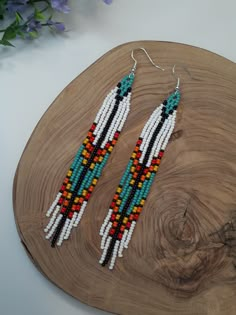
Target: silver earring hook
{"type": "Point", "coordinates": [150, 59]}
{"type": "Point", "coordinates": [177, 78]}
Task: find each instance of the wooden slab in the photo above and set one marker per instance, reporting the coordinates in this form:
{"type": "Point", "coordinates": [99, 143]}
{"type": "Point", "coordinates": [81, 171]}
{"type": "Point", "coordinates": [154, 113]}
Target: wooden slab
{"type": "Point", "coordinates": [180, 260]}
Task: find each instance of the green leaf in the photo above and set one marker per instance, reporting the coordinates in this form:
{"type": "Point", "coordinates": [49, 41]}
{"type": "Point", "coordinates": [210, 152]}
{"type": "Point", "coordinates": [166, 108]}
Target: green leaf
{"type": "Point", "coordinates": [21, 34]}
{"type": "Point", "coordinates": [19, 18]}
{"type": "Point", "coordinates": [38, 15]}
{"type": "Point", "coordinates": [33, 34]}
{"type": "Point", "coordinates": [5, 42]}
{"type": "Point", "coordinates": [10, 33]}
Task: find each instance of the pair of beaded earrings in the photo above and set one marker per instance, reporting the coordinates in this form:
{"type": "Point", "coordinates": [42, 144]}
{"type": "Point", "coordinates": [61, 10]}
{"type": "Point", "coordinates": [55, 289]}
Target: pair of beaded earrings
{"type": "Point", "coordinates": [67, 209]}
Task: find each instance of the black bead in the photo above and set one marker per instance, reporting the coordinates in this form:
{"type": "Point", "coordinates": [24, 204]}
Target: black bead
{"type": "Point", "coordinates": [165, 102]}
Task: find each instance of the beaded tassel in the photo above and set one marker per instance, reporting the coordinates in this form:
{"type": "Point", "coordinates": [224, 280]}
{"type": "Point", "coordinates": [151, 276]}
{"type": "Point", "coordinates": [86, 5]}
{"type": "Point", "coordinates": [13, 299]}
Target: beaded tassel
{"type": "Point", "coordinates": [70, 203]}
{"type": "Point", "coordinates": [130, 196]}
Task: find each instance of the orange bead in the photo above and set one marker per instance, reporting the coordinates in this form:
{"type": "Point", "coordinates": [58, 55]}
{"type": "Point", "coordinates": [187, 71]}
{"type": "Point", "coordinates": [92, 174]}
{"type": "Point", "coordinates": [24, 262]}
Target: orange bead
{"type": "Point", "coordinates": [116, 209]}
{"type": "Point", "coordinates": [122, 228]}
{"type": "Point", "coordinates": [139, 209]}
{"type": "Point", "coordinates": [143, 178]}
{"type": "Point", "coordinates": [135, 162]}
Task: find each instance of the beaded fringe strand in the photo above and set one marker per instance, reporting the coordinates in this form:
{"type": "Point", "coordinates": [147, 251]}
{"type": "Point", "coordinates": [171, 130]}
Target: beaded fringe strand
{"type": "Point", "coordinates": [69, 205]}
{"type": "Point", "coordinates": [128, 201]}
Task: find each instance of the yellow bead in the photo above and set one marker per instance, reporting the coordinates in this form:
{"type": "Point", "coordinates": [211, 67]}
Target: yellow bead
{"type": "Point", "coordinates": [117, 216]}
{"type": "Point", "coordinates": [134, 209]}
{"type": "Point", "coordinates": [132, 169]}
{"type": "Point", "coordinates": [148, 175]}
{"type": "Point", "coordinates": [125, 220]}
{"type": "Point", "coordinates": [155, 168]}
{"type": "Point", "coordinates": [84, 152]}
{"type": "Point", "coordinates": [142, 202]}
{"type": "Point", "coordinates": [119, 190]}
{"type": "Point", "coordinates": [140, 185]}
{"type": "Point", "coordinates": [84, 193]}
{"type": "Point", "coordinates": [100, 158]}
{"type": "Point", "coordinates": [76, 199]}
{"type": "Point", "coordinates": [68, 186]}
{"type": "Point", "coordinates": [69, 173]}
{"type": "Point", "coordinates": [110, 148]}
{"type": "Point", "coordinates": [94, 182]}
{"type": "Point", "coordinates": [85, 161]}
{"type": "Point", "coordinates": [68, 195]}
{"type": "Point", "coordinates": [92, 166]}
{"type": "Point", "coordinates": [86, 141]}
{"type": "Point", "coordinates": [132, 182]}
{"type": "Point", "coordinates": [118, 202]}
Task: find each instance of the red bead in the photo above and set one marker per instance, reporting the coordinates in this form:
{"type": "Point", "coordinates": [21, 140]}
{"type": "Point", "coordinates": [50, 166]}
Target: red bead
{"type": "Point", "coordinates": [145, 171]}
{"type": "Point", "coordinates": [60, 201]}
{"type": "Point", "coordinates": [107, 145]}
{"type": "Point", "coordinates": [128, 224]}
{"type": "Point", "coordinates": [154, 161]}
{"type": "Point", "coordinates": [138, 167]}
{"type": "Point", "coordinates": [113, 217]}
{"type": "Point", "coordinates": [113, 204]}
{"type": "Point", "coordinates": [120, 236]}
{"type": "Point", "coordinates": [63, 210]}
{"type": "Point", "coordinates": [138, 154]}
{"type": "Point", "coordinates": [90, 149]}
{"type": "Point", "coordinates": [70, 215]}
{"type": "Point", "coordinates": [87, 196]}
{"type": "Point", "coordinates": [116, 135]}
{"type": "Point", "coordinates": [78, 207]}
{"type": "Point", "coordinates": [136, 216]}
{"type": "Point", "coordinates": [99, 152]}
{"type": "Point", "coordinates": [161, 154]}
{"type": "Point", "coordinates": [112, 231]}
{"type": "Point", "coordinates": [93, 127]}
{"type": "Point", "coordinates": [63, 187]}
{"type": "Point", "coordinates": [139, 141]}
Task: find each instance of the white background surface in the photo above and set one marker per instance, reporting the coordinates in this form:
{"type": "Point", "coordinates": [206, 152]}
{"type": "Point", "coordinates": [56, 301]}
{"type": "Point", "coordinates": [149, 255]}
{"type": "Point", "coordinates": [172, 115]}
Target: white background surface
{"type": "Point", "coordinates": [33, 74]}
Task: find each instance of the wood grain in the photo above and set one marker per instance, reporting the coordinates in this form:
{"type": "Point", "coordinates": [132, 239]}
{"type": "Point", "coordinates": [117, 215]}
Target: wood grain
{"type": "Point", "coordinates": [181, 257]}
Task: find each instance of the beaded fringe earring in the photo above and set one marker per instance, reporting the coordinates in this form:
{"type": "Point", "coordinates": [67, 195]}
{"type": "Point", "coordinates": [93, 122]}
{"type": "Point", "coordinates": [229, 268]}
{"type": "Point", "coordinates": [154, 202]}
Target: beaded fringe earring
{"type": "Point", "coordinates": [130, 196]}
{"type": "Point", "coordinates": [69, 205]}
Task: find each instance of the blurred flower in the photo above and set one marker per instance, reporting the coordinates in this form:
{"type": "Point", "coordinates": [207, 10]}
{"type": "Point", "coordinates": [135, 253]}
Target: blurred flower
{"type": "Point", "coordinates": [58, 26]}
{"type": "Point", "coordinates": [16, 5]}
{"type": "Point", "coordinates": [27, 17]}
{"type": "Point", "coordinates": [33, 26]}
{"type": "Point", "coordinates": [60, 5]}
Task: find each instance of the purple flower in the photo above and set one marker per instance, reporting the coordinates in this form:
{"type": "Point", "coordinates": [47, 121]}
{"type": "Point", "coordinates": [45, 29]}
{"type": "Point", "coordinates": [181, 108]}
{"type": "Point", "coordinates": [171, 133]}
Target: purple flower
{"type": "Point", "coordinates": [108, 1]}
{"type": "Point", "coordinates": [33, 26]}
{"type": "Point", "coordinates": [16, 5]}
{"type": "Point", "coordinates": [58, 26]}
{"type": "Point", "coordinates": [60, 5]}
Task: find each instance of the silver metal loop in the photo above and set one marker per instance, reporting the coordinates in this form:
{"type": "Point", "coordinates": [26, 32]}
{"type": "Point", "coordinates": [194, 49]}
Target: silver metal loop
{"type": "Point", "coordinates": [177, 78]}
{"type": "Point", "coordinates": [150, 59]}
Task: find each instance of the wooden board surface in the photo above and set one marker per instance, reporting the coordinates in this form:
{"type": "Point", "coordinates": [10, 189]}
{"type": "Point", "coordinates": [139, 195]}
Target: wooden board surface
{"type": "Point", "coordinates": [181, 257]}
